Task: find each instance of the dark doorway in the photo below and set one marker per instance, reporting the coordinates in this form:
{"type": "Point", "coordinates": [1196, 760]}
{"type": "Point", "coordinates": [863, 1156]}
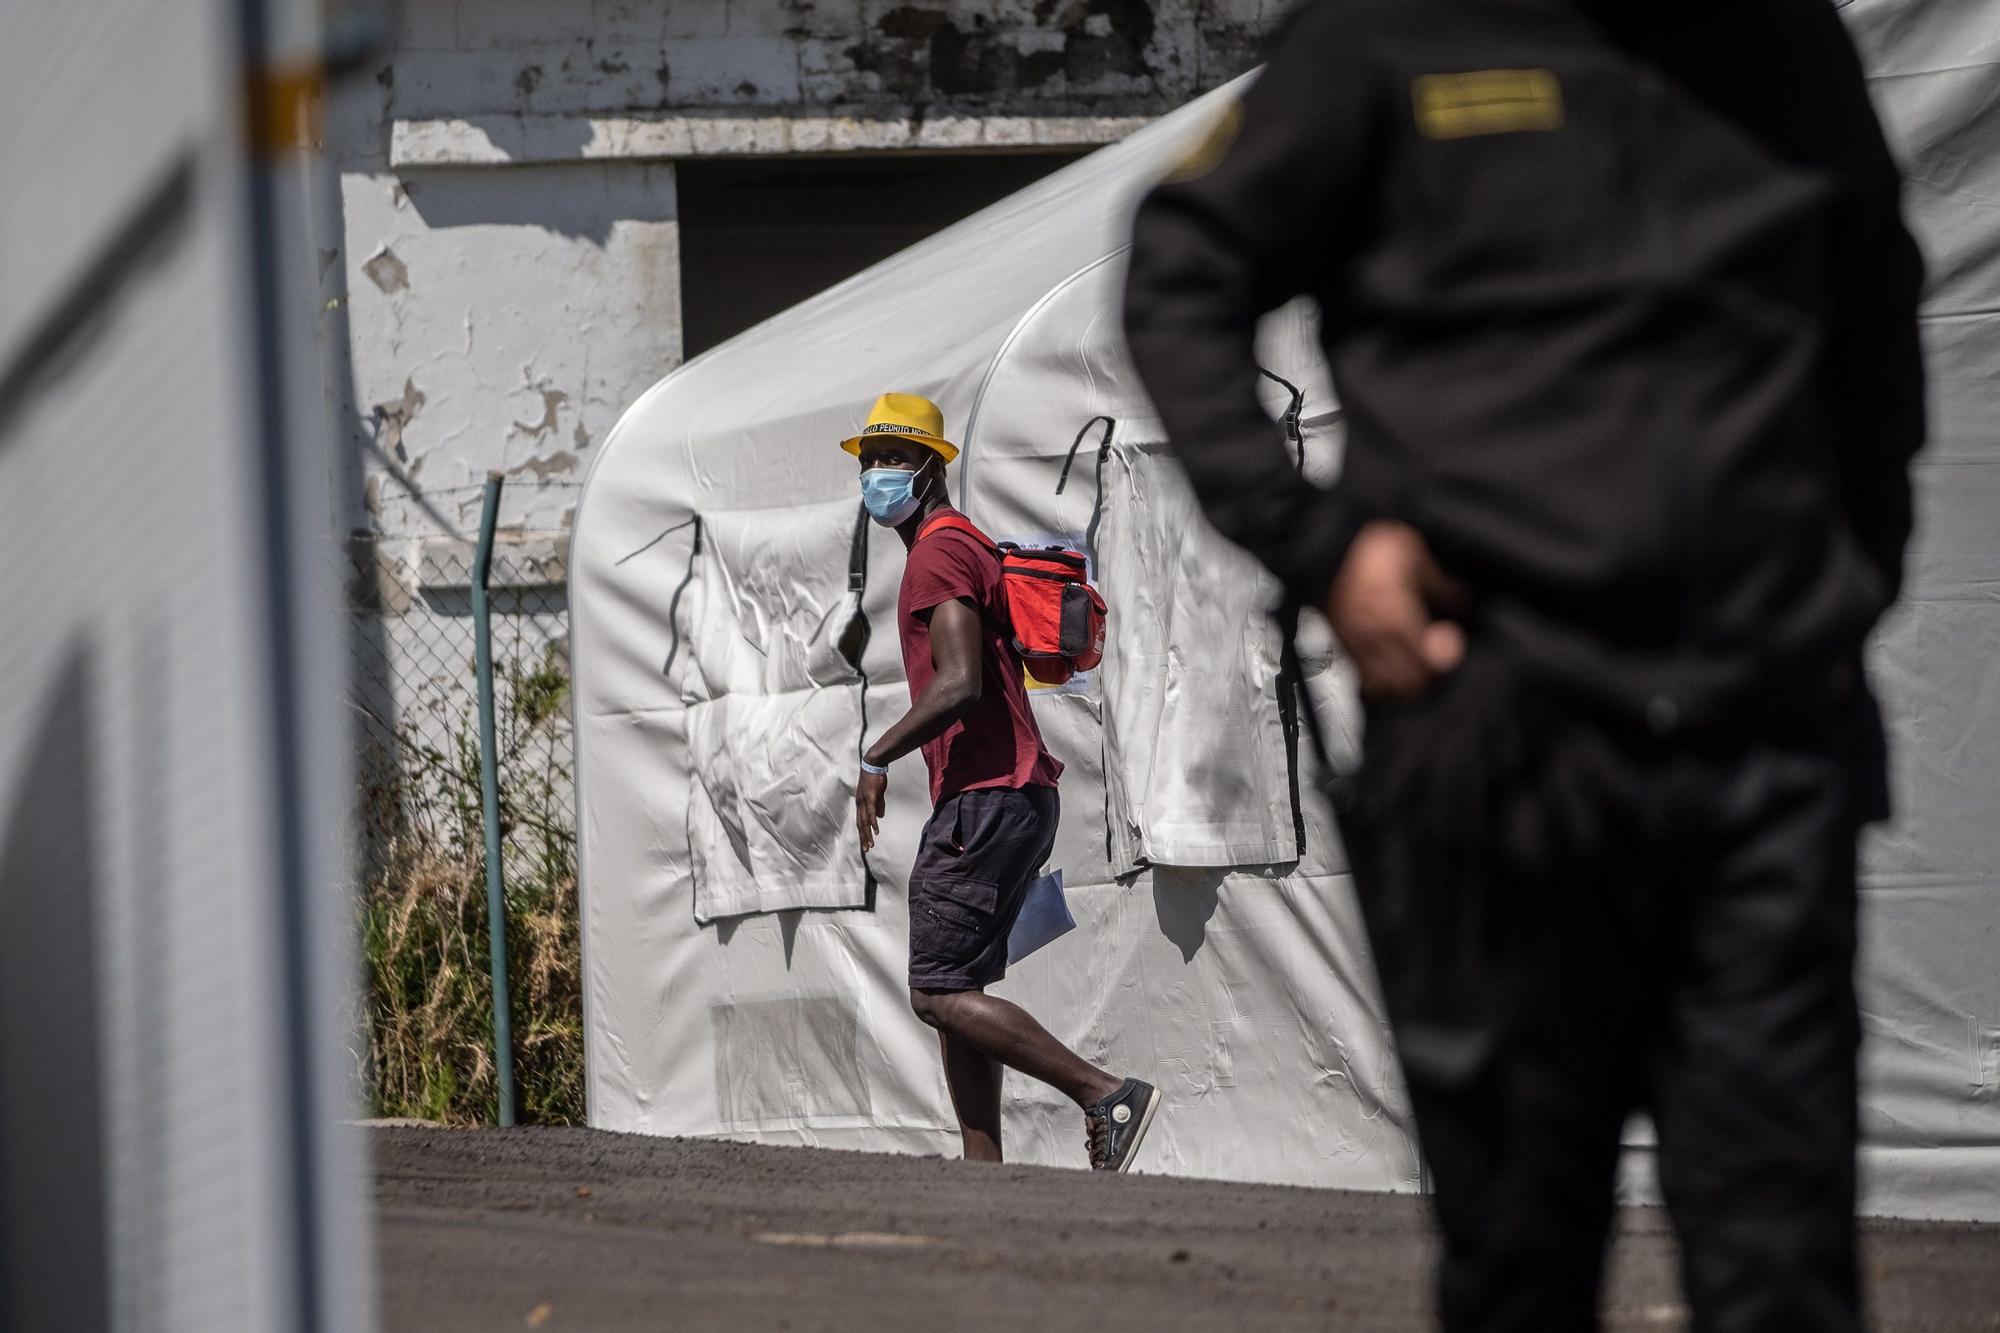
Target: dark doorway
{"type": "Point", "coordinates": [759, 236]}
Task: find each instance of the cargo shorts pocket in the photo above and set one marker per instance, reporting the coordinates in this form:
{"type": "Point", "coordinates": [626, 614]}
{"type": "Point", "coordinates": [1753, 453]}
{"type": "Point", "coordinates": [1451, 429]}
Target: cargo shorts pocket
{"type": "Point", "coordinates": [957, 935]}
{"type": "Point", "coordinates": [960, 904]}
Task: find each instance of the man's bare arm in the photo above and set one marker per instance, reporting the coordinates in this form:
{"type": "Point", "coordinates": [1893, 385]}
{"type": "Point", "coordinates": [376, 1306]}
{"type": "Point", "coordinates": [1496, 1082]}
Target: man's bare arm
{"type": "Point", "coordinates": [952, 692]}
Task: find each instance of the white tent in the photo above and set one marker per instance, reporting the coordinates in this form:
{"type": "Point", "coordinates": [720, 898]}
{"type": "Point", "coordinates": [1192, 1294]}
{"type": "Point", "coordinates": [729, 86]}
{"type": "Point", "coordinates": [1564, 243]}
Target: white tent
{"type": "Point", "coordinates": [745, 965]}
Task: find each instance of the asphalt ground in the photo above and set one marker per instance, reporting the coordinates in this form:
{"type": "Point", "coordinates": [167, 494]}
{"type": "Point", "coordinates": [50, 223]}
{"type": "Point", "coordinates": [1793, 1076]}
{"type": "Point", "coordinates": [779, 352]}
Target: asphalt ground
{"type": "Point", "coordinates": [574, 1229]}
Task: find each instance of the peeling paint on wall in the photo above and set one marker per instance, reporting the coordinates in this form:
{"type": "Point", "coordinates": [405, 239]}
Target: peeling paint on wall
{"type": "Point", "coordinates": [963, 53]}
{"type": "Point", "coordinates": [552, 401]}
{"type": "Point", "coordinates": [1004, 57]}
{"type": "Point", "coordinates": [387, 272]}
{"type": "Point", "coordinates": [394, 417]}
{"type": "Point", "coordinates": [553, 465]}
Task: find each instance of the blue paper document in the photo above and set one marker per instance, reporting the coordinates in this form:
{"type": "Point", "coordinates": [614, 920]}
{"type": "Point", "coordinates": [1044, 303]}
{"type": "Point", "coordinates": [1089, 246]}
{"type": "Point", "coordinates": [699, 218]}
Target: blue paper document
{"type": "Point", "coordinates": [1044, 917]}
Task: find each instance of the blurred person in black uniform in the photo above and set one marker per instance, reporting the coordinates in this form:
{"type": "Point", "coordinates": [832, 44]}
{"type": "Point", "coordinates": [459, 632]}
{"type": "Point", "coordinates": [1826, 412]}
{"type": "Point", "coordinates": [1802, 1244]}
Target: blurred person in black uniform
{"type": "Point", "coordinates": [1621, 310]}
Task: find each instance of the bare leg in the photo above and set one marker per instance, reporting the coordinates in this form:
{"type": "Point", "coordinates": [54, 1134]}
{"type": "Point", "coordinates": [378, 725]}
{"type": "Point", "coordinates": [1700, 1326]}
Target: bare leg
{"type": "Point", "coordinates": [974, 1079]}
{"type": "Point", "coordinates": [1008, 1033]}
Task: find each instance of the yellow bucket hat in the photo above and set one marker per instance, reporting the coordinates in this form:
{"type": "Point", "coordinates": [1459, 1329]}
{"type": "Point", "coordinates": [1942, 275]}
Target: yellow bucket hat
{"type": "Point", "coordinates": [908, 416]}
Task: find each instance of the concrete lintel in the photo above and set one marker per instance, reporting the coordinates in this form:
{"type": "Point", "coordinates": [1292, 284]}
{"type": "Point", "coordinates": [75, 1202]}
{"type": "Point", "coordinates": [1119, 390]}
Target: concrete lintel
{"type": "Point", "coordinates": [520, 139]}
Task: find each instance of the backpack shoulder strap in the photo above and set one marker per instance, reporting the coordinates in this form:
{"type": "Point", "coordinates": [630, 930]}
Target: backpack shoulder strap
{"type": "Point", "coordinates": [962, 524]}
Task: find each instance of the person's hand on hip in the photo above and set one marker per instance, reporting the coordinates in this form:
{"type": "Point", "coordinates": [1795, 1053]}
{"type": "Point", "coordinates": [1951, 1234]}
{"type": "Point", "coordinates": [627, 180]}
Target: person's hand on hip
{"type": "Point", "coordinates": [1382, 607]}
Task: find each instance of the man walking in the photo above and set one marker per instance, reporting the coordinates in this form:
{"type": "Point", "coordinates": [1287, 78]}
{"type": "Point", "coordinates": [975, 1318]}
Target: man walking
{"type": "Point", "coordinates": [993, 792]}
{"type": "Point", "coordinates": [1621, 310]}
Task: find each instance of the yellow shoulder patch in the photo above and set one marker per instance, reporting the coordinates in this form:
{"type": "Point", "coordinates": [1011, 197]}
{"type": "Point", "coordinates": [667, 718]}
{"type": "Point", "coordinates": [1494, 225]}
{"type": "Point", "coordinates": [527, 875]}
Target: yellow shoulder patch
{"type": "Point", "coordinates": [1213, 146]}
{"type": "Point", "coordinates": [1487, 101]}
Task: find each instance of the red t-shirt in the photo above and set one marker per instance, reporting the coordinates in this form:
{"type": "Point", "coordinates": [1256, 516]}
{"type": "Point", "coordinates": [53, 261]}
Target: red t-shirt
{"type": "Point", "coordinates": [997, 744]}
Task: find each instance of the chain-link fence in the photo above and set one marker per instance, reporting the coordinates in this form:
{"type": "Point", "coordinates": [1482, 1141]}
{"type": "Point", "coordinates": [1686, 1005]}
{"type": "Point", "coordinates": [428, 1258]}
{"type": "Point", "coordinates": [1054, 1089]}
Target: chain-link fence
{"type": "Point", "coordinates": [413, 691]}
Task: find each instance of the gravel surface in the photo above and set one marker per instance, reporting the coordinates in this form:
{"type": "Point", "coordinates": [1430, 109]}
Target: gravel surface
{"type": "Point", "coordinates": [574, 1229]}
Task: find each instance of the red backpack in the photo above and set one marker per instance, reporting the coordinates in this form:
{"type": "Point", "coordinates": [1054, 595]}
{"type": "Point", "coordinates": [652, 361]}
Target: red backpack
{"type": "Point", "coordinates": [1056, 617]}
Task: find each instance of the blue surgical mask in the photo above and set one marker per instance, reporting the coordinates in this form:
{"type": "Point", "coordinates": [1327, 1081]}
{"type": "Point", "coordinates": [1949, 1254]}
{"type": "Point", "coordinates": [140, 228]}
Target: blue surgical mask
{"type": "Point", "coordinates": [890, 493]}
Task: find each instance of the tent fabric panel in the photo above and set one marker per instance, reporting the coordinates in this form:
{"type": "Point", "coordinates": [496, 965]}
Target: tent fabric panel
{"type": "Point", "coordinates": [635, 891]}
{"type": "Point", "coordinates": [770, 819]}
{"type": "Point", "coordinates": [1193, 730]}
{"type": "Point", "coordinates": [774, 714]}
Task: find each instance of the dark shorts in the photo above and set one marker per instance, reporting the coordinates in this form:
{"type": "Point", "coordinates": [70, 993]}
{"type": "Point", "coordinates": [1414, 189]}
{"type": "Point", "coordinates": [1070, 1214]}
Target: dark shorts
{"type": "Point", "coordinates": [980, 851]}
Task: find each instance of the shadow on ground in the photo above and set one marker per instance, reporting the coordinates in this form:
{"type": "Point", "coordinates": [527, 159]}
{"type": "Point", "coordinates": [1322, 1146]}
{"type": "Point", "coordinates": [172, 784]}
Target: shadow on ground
{"type": "Point", "coordinates": [573, 1229]}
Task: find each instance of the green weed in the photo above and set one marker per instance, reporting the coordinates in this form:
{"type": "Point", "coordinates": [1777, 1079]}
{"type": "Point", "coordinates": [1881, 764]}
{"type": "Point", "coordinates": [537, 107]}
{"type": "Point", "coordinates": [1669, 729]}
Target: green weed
{"type": "Point", "coordinates": [429, 1040]}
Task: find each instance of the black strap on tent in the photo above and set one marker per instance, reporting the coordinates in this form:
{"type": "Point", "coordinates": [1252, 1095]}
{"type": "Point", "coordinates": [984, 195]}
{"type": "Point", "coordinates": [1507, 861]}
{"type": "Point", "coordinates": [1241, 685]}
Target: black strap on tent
{"type": "Point", "coordinates": [853, 641]}
{"type": "Point", "coordinates": [1293, 430]}
{"type": "Point", "coordinates": [1296, 708]}
{"type": "Point", "coordinates": [1103, 446]}
{"type": "Point", "coordinates": [1103, 452]}
{"type": "Point", "coordinates": [857, 553]}
{"type": "Point", "coordinates": [1292, 704]}
{"type": "Point", "coordinates": [1331, 780]}
{"type": "Point", "coordinates": [674, 606]}
{"type": "Point", "coordinates": [853, 645]}
{"type": "Point", "coordinates": [1096, 513]}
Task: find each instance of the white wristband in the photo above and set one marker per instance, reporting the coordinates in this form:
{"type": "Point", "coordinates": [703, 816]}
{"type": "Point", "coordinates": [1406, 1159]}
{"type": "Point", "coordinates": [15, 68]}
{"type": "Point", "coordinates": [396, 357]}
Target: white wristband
{"type": "Point", "coordinates": [867, 767]}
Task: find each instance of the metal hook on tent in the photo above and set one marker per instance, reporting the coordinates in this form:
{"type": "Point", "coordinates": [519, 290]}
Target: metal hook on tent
{"type": "Point", "coordinates": [1293, 430]}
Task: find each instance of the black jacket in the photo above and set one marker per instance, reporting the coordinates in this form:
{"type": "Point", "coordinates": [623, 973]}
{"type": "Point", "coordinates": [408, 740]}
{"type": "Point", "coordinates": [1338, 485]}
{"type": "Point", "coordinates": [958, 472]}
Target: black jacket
{"type": "Point", "coordinates": [1620, 308]}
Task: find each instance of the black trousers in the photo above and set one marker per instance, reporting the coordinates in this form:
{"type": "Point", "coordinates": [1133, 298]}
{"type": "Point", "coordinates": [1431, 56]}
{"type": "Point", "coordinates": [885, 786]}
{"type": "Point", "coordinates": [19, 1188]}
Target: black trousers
{"type": "Point", "coordinates": [1574, 919]}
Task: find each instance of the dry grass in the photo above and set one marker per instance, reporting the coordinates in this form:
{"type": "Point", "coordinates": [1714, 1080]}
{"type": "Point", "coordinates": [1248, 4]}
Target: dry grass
{"type": "Point", "coordinates": [429, 1047]}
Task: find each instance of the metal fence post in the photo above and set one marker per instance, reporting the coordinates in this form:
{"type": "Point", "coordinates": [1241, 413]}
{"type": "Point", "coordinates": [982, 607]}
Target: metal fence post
{"type": "Point", "coordinates": [489, 790]}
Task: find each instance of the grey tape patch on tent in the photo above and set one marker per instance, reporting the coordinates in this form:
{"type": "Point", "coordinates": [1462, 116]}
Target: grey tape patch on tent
{"type": "Point", "coordinates": [786, 1060]}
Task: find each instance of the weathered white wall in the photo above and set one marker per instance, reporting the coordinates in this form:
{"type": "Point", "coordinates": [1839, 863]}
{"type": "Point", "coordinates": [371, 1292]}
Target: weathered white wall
{"type": "Point", "coordinates": [508, 278]}
{"type": "Point", "coordinates": [492, 317]}
{"type": "Point", "coordinates": [503, 319]}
